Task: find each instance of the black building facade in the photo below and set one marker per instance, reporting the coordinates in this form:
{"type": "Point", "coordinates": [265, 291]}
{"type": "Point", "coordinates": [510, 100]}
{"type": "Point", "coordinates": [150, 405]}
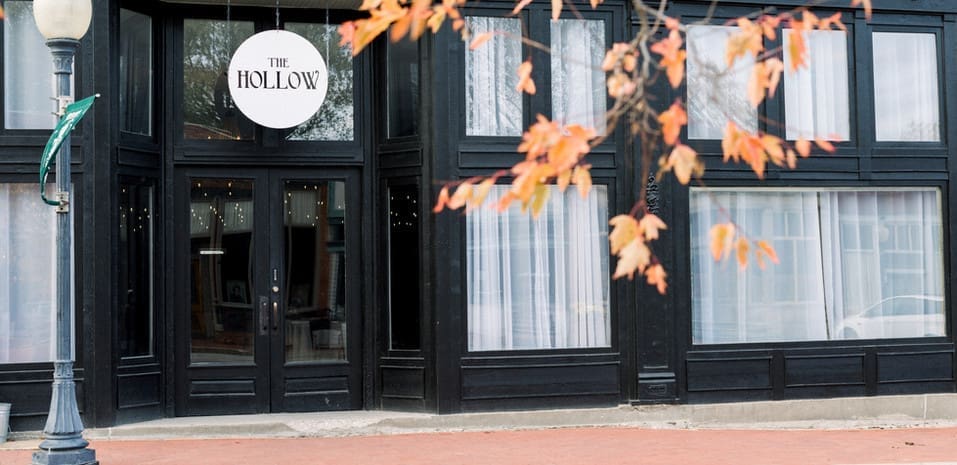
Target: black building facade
{"type": "Point", "coordinates": [227, 268]}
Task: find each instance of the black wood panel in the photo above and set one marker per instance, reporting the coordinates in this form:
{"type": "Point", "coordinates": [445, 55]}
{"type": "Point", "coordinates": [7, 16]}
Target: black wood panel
{"type": "Point", "coordinates": [822, 370]}
{"type": "Point", "coordinates": [729, 374]}
{"type": "Point", "coordinates": [403, 382]}
{"type": "Point", "coordinates": [530, 381]}
{"type": "Point", "coordinates": [29, 392]}
{"type": "Point", "coordinates": [138, 389]}
{"type": "Point", "coordinates": [915, 366]}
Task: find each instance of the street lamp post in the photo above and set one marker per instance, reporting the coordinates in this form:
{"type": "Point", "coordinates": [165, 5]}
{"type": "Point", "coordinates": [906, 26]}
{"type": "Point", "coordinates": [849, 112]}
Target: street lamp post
{"type": "Point", "coordinates": [63, 23]}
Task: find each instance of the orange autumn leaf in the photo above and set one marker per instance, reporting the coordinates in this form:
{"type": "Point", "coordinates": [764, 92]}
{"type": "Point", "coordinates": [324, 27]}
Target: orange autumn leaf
{"type": "Point", "coordinates": [656, 275]}
{"type": "Point", "coordinates": [649, 225]}
{"type": "Point", "coordinates": [539, 137]}
{"type": "Point", "coordinates": [749, 38]}
{"type": "Point", "coordinates": [582, 179]}
{"type": "Point", "coordinates": [672, 57]}
{"type": "Point", "coordinates": [442, 201]}
{"type": "Point", "coordinates": [765, 77]}
{"type": "Point", "coordinates": [803, 146]}
{"type": "Point", "coordinates": [481, 39]}
{"type": "Point", "coordinates": [539, 198]}
{"type": "Point", "coordinates": [565, 152]}
{"type": "Point", "coordinates": [461, 196]}
{"type": "Point", "coordinates": [633, 257]}
{"type": "Point", "coordinates": [520, 6]}
{"type": "Point", "coordinates": [766, 249]}
{"type": "Point", "coordinates": [684, 162]}
{"type": "Point", "coordinates": [556, 9]}
{"type": "Point", "coordinates": [625, 229]}
{"type": "Point", "coordinates": [620, 85]}
{"type": "Point", "coordinates": [867, 7]}
{"type": "Point", "coordinates": [741, 248]}
{"type": "Point", "coordinates": [721, 236]}
{"type": "Point", "coordinates": [791, 159]}
{"type": "Point", "coordinates": [824, 145]}
{"type": "Point", "coordinates": [833, 20]}
{"type": "Point", "coordinates": [672, 121]}
{"type": "Point", "coordinates": [769, 25]}
{"type": "Point", "coordinates": [797, 48]}
{"type": "Point", "coordinates": [525, 82]}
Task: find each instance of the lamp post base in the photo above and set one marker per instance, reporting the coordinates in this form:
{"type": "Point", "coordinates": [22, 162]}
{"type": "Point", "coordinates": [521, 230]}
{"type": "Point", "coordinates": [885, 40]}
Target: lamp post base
{"type": "Point", "coordinates": [82, 456]}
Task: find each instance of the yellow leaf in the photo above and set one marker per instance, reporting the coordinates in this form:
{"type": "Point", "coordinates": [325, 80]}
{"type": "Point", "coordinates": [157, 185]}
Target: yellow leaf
{"type": "Point", "coordinates": [563, 180]}
{"type": "Point", "coordinates": [650, 224]}
{"type": "Point", "coordinates": [685, 163]}
{"type": "Point", "coordinates": [721, 236]}
{"type": "Point", "coordinates": [481, 192]}
{"type": "Point", "coordinates": [539, 199]}
{"type": "Point", "coordinates": [769, 251]}
{"type": "Point", "coordinates": [634, 256]}
{"type": "Point", "coordinates": [741, 249]}
{"type": "Point", "coordinates": [672, 57]}
{"type": "Point", "coordinates": [581, 177]}
{"type": "Point", "coordinates": [481, 39]}
{"type": "Point", "coordinates": [656, 277]}
{"type": "Point", "coordinates": [624, 230]}
{"type": "Point", "coordinates": [824, 145]}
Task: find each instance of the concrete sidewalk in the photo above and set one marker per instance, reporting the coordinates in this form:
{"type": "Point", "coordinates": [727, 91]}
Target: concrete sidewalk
{"type": "Point", "coordinates": [888, 429]}
{"type": "Point", "coordinates": [840, 413]}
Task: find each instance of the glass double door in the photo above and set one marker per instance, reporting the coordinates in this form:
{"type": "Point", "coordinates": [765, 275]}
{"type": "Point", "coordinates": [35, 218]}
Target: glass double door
{"type": "Point", "coordinates": [271, 317]}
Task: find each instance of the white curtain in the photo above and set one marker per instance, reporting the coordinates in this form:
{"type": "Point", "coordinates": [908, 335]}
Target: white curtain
{"type": "Point", "coordinates": [493, 107]}
{"type": "Point", "coordinates": [716, 93]}
{"type": "Point", "coordinates": [578, 83]}
{"type": "Point", "coordinates": [27, 275]}
{"type": "Point", "coordinates": [816, 97]}
{"type": "Point", "coordinates": [780, 303]}
{"type": "Point", "coordinates": [854, 264]}
{"type": "Point", "coordinates": [539, 283]}
{"type": "Point", "coordinates": [28, 70]}
{"type": "Point", "coordinates": [906, 105]}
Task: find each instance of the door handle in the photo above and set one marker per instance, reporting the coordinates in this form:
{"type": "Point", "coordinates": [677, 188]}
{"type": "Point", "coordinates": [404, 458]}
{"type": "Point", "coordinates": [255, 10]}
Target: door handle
{"type": "Point", "coordinates": [263, 315]}
{"type": "Point", "coordinates": [275, 316]}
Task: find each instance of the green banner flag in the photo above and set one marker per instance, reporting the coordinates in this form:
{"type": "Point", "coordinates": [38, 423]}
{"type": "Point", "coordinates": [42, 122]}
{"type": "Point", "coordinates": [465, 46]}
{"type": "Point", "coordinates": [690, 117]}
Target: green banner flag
{"type": "Point", "coordinates": [73, 114]}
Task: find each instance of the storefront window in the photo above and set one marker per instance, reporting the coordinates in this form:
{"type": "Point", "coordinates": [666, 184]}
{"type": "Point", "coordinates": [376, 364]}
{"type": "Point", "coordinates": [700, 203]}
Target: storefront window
{"type": "Point", "coordinates": [404, 311]}
{"type": "Point", "coordinates": [27, 275]}
{"type": "Point", "coordinates": [27, 70]}
{"type": "Point", "coordinates": [539, 283]}
{"type": "Point", "coordinates": [135, 270]}
{"type": "Point", "coordinates": [816, 97]}
{"type": "Point", "coordinates": [493, 107]}
{"type": "Point", "coordinates": [906, 102]}
{"type": "Point", "coordinates": [578, 83]}
{"type": "Point", "coordinates": [335, 120]}
{"type": "Point", "coordinates": [136, 73]}
{"type": "Point", "coordinates": [854, 264]}
{"type": "Point", "coordinates": [716, 93]}
{"type": "Point", "coordinates": [208, 111]}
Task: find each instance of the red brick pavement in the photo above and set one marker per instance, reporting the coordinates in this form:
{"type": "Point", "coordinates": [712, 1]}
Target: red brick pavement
{"type": "Point", "coordinates": [578, 446]}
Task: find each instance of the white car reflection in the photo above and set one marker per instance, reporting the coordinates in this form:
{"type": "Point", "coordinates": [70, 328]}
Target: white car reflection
{"type": "Point", "coordinates": [895, 317]}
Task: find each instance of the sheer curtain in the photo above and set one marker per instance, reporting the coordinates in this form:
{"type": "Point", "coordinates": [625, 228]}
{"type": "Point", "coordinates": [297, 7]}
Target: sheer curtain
{"type": "Point", "coordinates": [816, 98]}
{"type": "Point", "coordinates": [492, 105]}
{"type": "Point", "coordinates": [781, 302]}
{"type": "Point", "coordinates": [906, 107]}
{"type": "Point", "coordinates": [27, 275]}
{"type": "Point", "coordinates": [578, 83]}
{"type": "Point", "coordinates": [716, 93]}
{"type": "Point", "coordinates": [28, 70]}
{"type": "Point", "coordinates": [854, 264]}
{"type": "Point", "coordinates": [539, 283]}
{"type": "Point", "coordinates": [884, 269]}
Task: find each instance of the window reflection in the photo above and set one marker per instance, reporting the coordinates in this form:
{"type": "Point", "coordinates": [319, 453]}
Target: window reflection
{"type": "Point", "coordinates": [208, 111]}
{"type": "Point", "coordinates": [334, 121]}
{"type": "Point", "coordinates": [136, 73]}
{"type": "Point", "coordinates": [135, 270]}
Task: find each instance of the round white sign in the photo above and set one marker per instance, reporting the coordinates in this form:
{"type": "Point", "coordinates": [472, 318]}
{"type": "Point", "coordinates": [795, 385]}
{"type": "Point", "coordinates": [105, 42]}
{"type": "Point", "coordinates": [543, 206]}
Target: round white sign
{"type": "Point", "coordinates": [278, 79]}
